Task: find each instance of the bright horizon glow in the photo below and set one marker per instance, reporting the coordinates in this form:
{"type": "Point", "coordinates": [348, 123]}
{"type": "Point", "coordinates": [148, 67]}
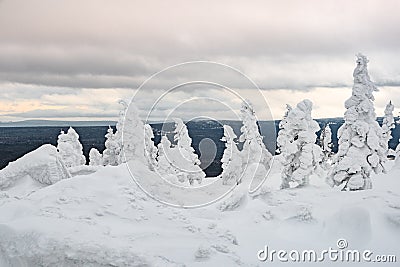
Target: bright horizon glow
{"type": "Point", "coordinates": [324, 106]}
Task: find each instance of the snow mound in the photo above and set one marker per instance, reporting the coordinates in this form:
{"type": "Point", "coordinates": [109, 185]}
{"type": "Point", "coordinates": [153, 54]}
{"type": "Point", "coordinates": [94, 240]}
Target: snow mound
{"type": "Point", "coordinates": [104, 219]}
{"type": "Point", "coordinates": [42, 165]}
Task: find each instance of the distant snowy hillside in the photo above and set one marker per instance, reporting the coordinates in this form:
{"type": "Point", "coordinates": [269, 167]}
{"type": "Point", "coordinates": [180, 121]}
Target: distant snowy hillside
{"type": "Point", "coordinates": [52, 123]}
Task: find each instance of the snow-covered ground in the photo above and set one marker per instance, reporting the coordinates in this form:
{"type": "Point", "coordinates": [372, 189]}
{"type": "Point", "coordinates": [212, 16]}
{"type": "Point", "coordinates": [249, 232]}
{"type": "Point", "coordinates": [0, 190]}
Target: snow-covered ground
{"type": "Point", "coordinates": [104, 219]}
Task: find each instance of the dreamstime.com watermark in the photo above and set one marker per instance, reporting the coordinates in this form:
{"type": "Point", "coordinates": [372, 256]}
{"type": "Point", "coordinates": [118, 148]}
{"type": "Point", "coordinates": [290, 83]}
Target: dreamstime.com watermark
{"type": "Point", "coordinates": [340, 253]}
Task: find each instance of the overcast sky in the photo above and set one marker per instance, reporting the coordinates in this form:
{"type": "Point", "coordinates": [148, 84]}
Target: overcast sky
{"type": "Point", "coordinates": [70, 59]}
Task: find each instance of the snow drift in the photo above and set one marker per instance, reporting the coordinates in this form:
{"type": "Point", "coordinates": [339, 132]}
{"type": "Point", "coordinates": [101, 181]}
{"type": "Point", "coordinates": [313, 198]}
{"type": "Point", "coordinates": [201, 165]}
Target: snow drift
{"type": "Point", "coordinates": [42, 165]}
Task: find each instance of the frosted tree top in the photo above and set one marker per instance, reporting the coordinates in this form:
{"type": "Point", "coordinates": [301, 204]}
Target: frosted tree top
{"type": "Point", "coordinates": [361, 76]}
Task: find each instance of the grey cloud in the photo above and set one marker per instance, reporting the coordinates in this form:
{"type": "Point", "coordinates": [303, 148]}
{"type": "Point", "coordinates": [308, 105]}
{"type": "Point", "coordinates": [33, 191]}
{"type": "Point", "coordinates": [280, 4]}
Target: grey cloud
{"type": "Point", "coordinates": [298, 77]}
{"type": "Point", "coordinates": [120, 45]}
{"type": "Point", "coordinates": [63, 113]}
{"type": "Point", "coordinates": [61, 48]}
{"type": "Point", "coordinates": [73, 81]}
{"type": "Point", "coordinates": [207, 28]}
{"type": "Point", "coordinates": [9, 91]}
{"type": "Point", "coordinates": [73, 61]}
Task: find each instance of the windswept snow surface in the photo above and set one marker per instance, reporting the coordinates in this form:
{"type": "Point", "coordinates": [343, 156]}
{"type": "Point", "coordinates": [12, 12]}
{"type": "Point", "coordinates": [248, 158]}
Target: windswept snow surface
{"type": "Point", "coordinates": [104, 219]}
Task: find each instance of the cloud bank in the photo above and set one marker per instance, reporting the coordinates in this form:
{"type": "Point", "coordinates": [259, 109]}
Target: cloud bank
{"type": "Point", "coordinates": [76, 58]}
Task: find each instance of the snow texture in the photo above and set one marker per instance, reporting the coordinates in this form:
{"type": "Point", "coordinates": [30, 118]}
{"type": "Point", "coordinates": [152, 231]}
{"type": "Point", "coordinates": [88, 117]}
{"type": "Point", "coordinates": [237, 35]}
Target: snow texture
{"type": "Point", "coordinates": [360, 137]}
{"type": "Point", "coordinates": [104, 219]}
{"type": "Point", "coordinates": [83, 170]}
{"type": "Point", "coordinates": [300, 155]}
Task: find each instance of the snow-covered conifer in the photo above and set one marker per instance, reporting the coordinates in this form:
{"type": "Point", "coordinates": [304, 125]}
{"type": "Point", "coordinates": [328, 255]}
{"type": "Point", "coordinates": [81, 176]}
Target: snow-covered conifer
{"type": "Point", "coordinates": [164, 161]}
{"type": "Point", "coordinates": [360, 149]}
{"type": "Point", "coordinates": [64, 148]}
{"type": "Point", "coordinates": [254, 150]}
{"type": "Point", "coordinates": [284, 132]}
{"type": "Point", "coordinates": [111, 153]}
{"type": "Point", "coordinates": [387, 126]}
{"type": "Point", "coordinates": [296, 140]}
{"type": "Point", "coordinates": [184, 156]}
{"type": "Point", "coordinates": [117, 136]}
{"type": "Point", "coordinates": [130, 134]}
{"type": "Point", "coordinates": [231, 159]}
{"type": "Point", "coordinates": [151, 150]}
{"type": "Point", "coordinates": [255, 159]}
{"type": "Point", "coordinates": [326, 145]}
{"type": "Point", "coordinates": [95, 158]}
{"type": "Point", "coordinates": [70, 149]}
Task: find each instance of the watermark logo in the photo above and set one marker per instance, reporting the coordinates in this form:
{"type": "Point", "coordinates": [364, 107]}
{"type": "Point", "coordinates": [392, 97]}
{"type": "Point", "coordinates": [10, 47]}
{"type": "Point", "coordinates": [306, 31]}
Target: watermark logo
{"type": "Point", "coordinates": [340, 253]}
{"type": "Point", "coordinates": [193, 92]}
{"type": "Point", "coordinates": [342, 243]}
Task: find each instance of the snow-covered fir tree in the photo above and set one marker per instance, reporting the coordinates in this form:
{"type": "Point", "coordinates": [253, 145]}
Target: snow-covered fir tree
{"type": "Point", "coordinates": [326, 139]}
{"type": "Point", "coordinates": [283, 134]}
{"type": "Point", "coordinates": [116, 137]}
{"type": "Point", "coordinates": [164, 161]}
{"type": "Point", "coordinates": [78, 148]}
{"type": "Point", "coordinates": [150, 148]}
{"type": "Point", "coordinates": [255, 160]}
{"type": "Point", "coordinates": [326, 145]}
{"type": "Point", "coordinates": [70, 149]}
{"type": "Point", "coordinates": [184, 156]}
{"type": "Point", "coordinates": [231, 159]}
{"type": "Point", "coordinates": [254, 150]}
{"type": "Point", "coordinates": [387, 126]}
{"type": "Point", "coordinates": [119, 128]}
{"type": "Point", "coordinates": [300, 155]}
{"type": "Point", "coordinates": [112, 151]}
{"type": "Point", "coordinates": [95, 157]}
{"type": "Point", "coordinates": [360, 148]}
{"type": "Point", "coordinates": [130, 134]}
{"type": "Point", "coordinates": [64, 148]}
